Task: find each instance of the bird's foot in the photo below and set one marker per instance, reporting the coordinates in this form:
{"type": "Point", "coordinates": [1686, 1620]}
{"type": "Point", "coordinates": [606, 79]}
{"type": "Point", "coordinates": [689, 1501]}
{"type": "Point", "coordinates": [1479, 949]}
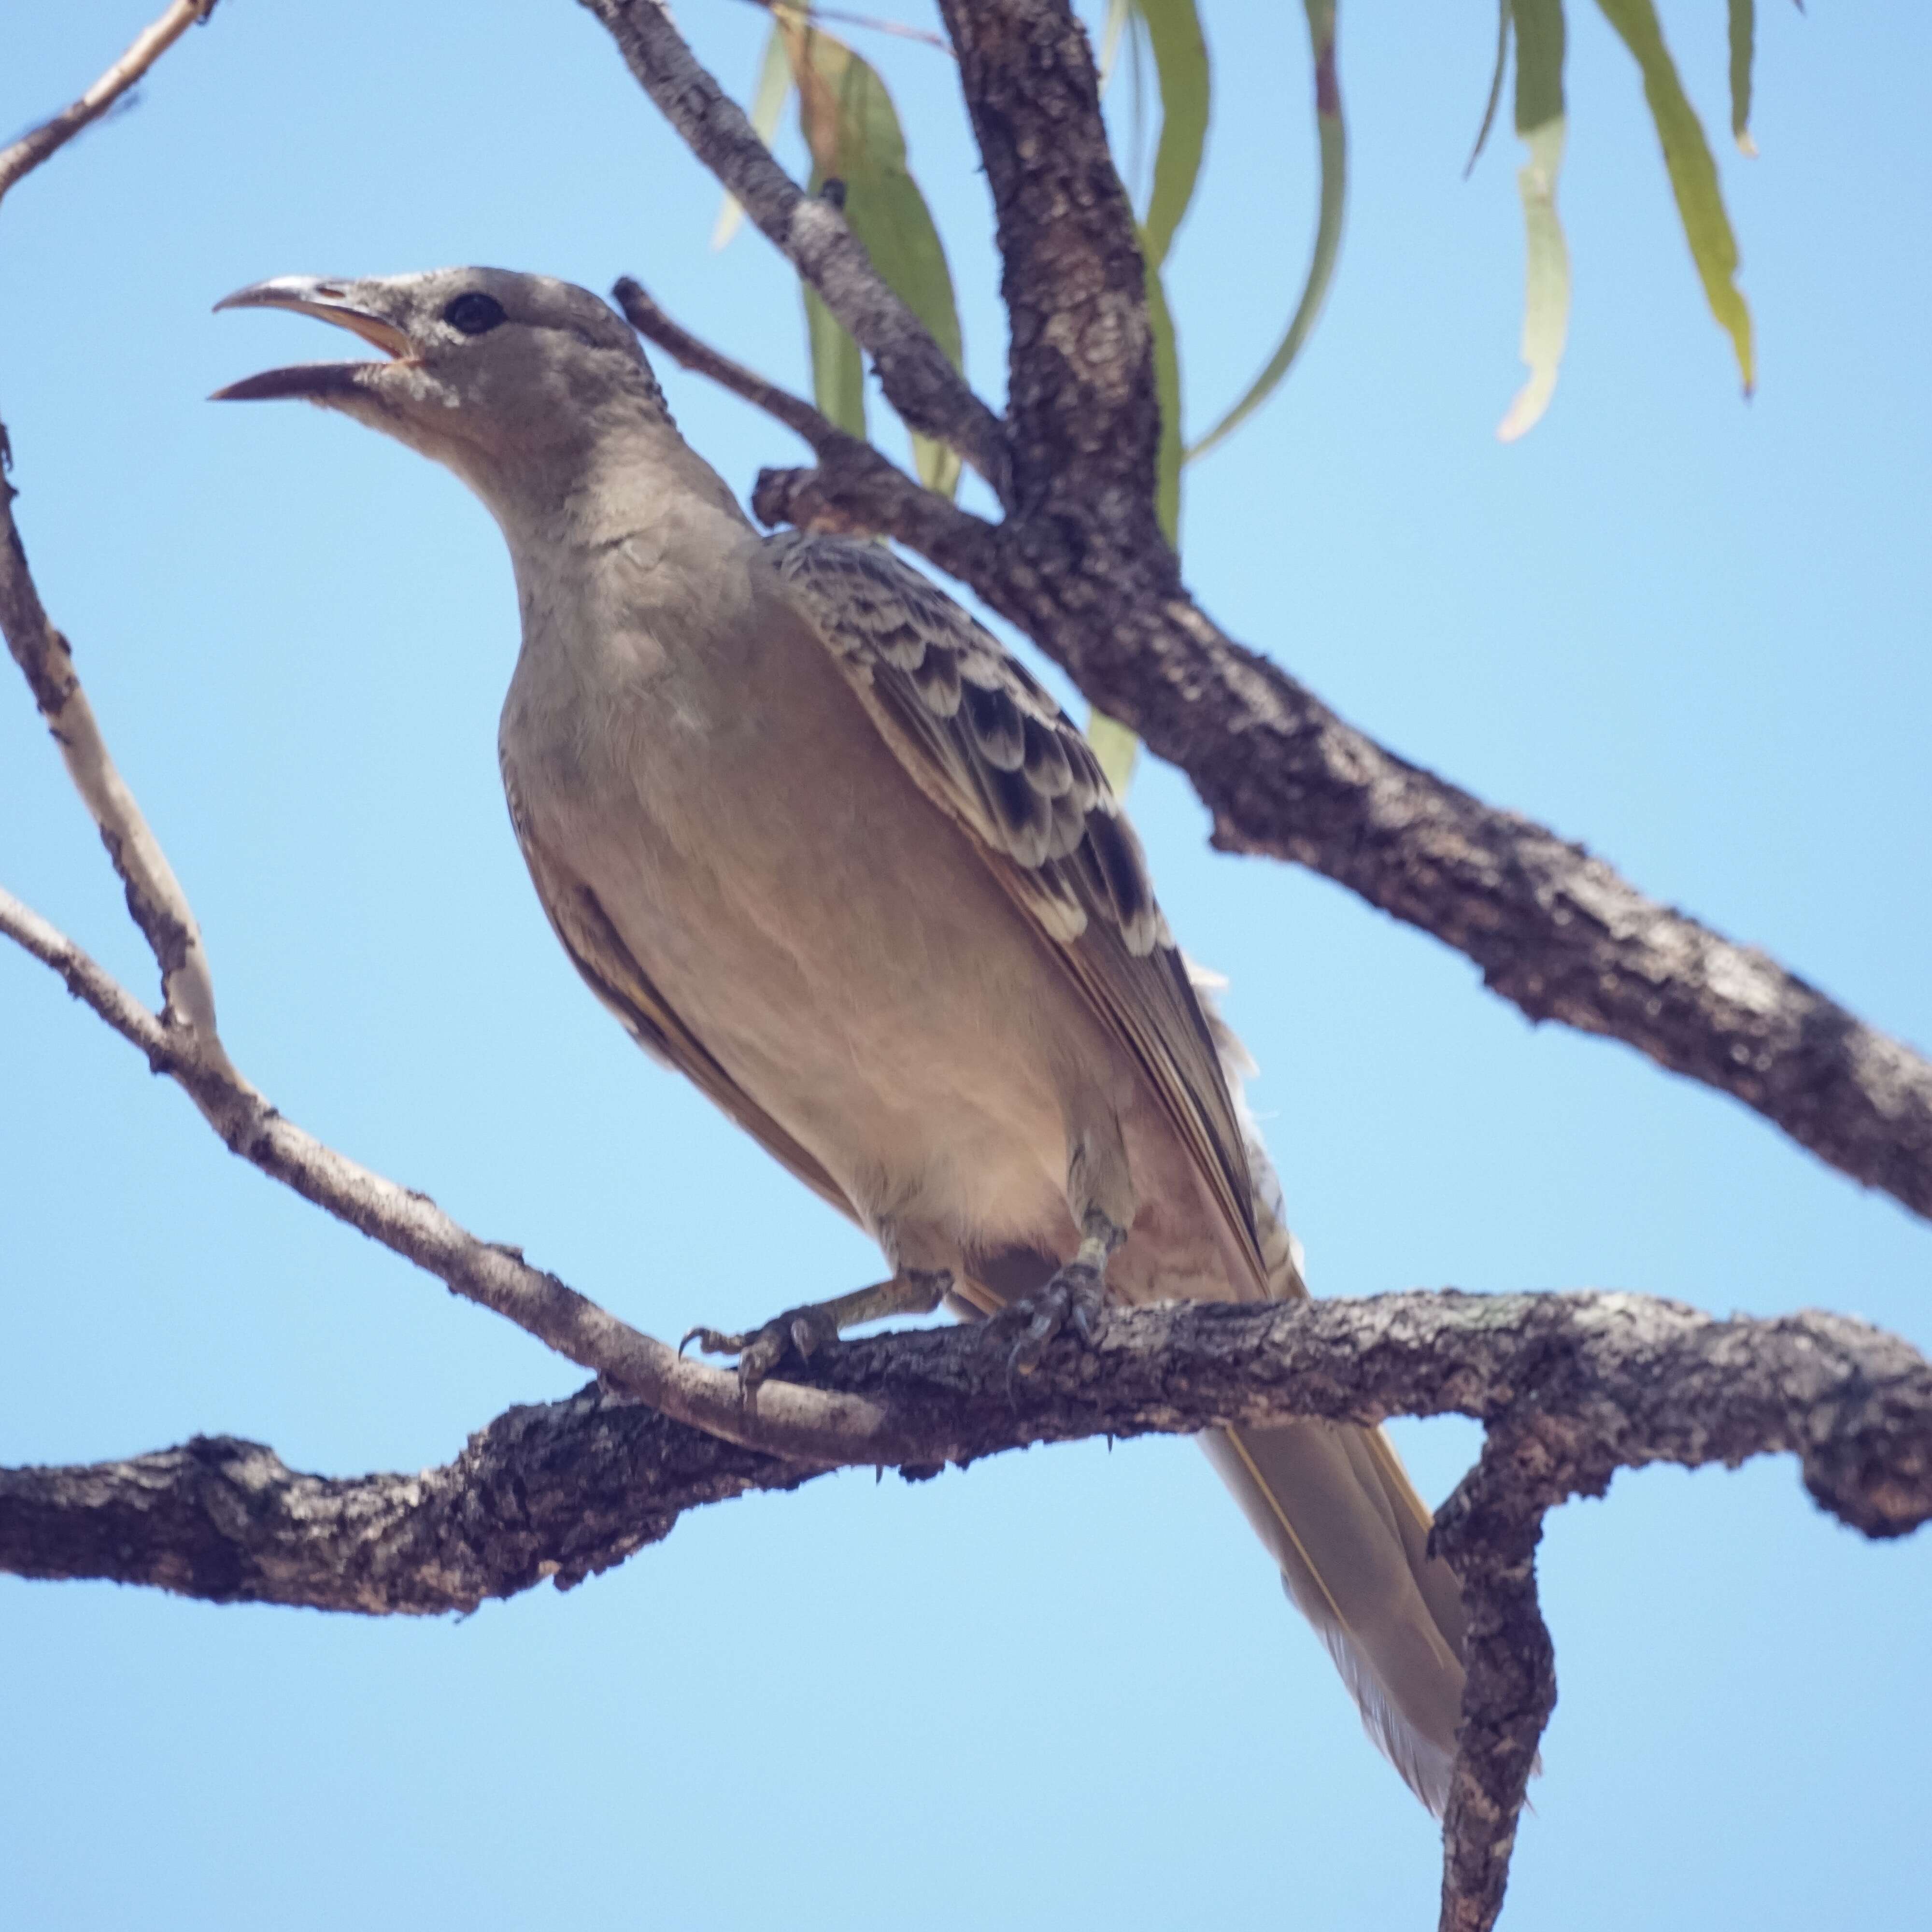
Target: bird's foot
{"type": "Point", "coordinates": [812, 1329]}
{"type": "Point", "coordinates": [1075, 1294]}
{"type": "Point", "coordinates": [803, 1332]}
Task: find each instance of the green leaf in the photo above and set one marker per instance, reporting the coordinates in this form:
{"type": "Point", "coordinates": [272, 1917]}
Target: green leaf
{"type": "Point", "coordinates": [838, 370]}
{"type": "Point", "coordinates": [853, 130]}
{"type": "Point", "coordinates": [1693, 174]}
{"type": "Point", "coordinates": [1744, 32]}
{"type": "Point", "coordinates": [1333, 134]}
{"type": "Point", "coordinates": [1181, 61]}
{"type": "Point", "coordinates": [768, 100]}
{"type": "Point", "coordinates": [1116, 748]}
{"type": "Point", "coordinates": [1540, 47]}
{"type": "Point", "coordinates": [1542, 124]}
{"type": "Point", "coordinates": [1495, 88]}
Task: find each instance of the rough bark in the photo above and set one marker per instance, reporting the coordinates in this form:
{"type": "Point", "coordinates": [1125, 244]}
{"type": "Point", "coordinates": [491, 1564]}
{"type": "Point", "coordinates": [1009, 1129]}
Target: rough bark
{"type": "Point", "coordinates": [1574, 1386]}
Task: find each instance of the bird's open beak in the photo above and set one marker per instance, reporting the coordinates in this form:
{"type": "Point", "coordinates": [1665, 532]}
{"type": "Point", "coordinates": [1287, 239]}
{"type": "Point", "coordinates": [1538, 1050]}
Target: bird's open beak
{"type": "Point", "coordinates": [350, 305]}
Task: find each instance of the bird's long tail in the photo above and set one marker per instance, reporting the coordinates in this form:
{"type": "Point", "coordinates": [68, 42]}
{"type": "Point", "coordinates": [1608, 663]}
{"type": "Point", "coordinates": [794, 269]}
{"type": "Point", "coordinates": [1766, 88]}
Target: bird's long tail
{"type": "Point", "coordinates": [1337, 1512]}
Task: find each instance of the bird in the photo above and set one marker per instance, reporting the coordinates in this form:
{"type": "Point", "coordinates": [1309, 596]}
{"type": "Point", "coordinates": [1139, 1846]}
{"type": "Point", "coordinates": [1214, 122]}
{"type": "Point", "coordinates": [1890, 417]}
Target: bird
{"type": "Point", "coordinates": [822, 845]}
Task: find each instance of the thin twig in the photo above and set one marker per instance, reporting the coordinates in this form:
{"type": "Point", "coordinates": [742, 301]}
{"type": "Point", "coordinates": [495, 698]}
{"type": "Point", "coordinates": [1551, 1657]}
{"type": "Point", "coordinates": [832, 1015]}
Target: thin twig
{"type": "Point", "coordinates": [643, 314]}
{"type": "Point", "coordinates": [155, 899]}
{"type": "Point", "coordinates": [39, 143]}
{"type": "Point", "coordinates": [802, 1423]}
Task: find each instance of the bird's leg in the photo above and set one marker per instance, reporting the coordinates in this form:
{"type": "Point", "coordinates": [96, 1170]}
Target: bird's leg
{"type": "Point", "coordinates": [1100, 1193]}
{"type": "Point", "coordinates": [1075, 1293]}
{"type": "Point", "coordinates": [805, 1331]}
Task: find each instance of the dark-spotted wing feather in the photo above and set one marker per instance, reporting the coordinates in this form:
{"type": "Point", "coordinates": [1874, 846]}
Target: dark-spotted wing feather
{"type": "Point", "coordinates": [986, 743]}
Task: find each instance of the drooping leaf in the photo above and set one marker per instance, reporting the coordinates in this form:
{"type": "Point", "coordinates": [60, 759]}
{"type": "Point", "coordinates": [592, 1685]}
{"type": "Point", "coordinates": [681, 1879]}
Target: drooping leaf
{"type": "Point", "coordinates": [1693, 174]}
{"type": "Point", "coordinates": [1744, 33]}
{"type": "Point", "coordinates": [1541, 123]}
{"type": "Point", "coordinates": [838, 370]}
{"type": "Point", "coordinates": [1332, 133]}
{"type": "Point", "coordinates": [1494, 101]}
{"type": "Point", "coordinates": [1546, 294]}
{"type": "Point", "coordinates": [852, 131]}
{"type": "Point", "coordinates": [1180, 63]}
{"type": "Point", "coordinates": [768, 100]}
{"type": "Point", "coordinates": [1494, 98]}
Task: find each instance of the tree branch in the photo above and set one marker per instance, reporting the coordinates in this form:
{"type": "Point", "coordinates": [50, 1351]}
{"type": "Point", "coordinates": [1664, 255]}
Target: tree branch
{"type": "Point", "coordinates": [1084, 422]}
{"type": "Point", "coordinates": [41, 143]}
{"type": "Point", "coordinates": [1577, 1386]}
{"type": "Point", "coordinates": [918, 381]}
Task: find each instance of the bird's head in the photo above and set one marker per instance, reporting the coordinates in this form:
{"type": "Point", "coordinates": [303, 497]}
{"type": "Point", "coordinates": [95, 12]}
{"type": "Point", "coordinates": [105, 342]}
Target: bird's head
{"type": "Point", "coordinates": [503, 377]}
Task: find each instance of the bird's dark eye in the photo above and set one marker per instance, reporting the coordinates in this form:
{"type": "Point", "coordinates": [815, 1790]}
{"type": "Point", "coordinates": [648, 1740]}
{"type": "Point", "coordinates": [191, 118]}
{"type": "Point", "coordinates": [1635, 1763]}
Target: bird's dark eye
{"type": "Point", "coordinates": [474, 313]}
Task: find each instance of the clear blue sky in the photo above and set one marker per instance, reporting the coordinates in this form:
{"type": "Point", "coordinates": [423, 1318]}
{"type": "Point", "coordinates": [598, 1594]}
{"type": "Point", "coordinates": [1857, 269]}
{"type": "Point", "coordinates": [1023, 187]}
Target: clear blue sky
{"type": "Point", "coordinates": [1062, 1690]}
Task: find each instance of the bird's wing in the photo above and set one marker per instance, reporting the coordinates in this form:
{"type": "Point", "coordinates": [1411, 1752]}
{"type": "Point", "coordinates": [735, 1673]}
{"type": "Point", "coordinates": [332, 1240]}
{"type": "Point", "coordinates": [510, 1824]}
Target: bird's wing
{"type": "Point", "coordinates": [987, 745]}
{"type": "Point", "coordinates": [599, 953]}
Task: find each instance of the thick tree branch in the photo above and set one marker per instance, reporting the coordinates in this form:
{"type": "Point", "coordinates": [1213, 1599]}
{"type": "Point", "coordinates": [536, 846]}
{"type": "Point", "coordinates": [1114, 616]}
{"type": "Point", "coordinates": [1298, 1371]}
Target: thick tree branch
{"type": "Point", "coordinates": [1084, 423]}
{"type": "Point", "coordinates": [1488, 1530]}
{"type": "Point", "coordinates": [920, 383]}
{"type": "Point", "coordinates": [40, 144]}
{"type": "Point", "coordinates": [1575, 1386]}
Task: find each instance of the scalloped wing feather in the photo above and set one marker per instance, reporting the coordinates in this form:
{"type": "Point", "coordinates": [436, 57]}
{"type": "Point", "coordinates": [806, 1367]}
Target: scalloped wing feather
{"type": "Point", "coordinates": [983, 740]}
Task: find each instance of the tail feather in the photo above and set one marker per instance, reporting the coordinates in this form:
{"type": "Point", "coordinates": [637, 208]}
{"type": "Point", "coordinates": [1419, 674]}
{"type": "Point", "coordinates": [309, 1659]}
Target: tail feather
{"type": "Point", "coordinates": [1335, 1509]}
{"type": "Point", "coordinates": [1318, 1498]}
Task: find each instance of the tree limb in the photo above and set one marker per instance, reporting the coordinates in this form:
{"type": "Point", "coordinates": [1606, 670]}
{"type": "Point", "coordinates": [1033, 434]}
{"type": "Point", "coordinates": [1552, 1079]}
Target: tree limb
{"type": "Point", "coordinates": [1575, 1386]}
{"type": "Point", "coordinates": [1084, 423]}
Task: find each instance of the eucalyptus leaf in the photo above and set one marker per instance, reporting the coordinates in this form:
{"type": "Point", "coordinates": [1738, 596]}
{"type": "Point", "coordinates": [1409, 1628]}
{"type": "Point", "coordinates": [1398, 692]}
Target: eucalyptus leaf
{"type": "Point", "coordinates": [1180, 63]}
{"type": "Point", "coordinates": [1541, 122]}
{"type": "Point", "coordinates": [1545, 301]}
{"type": "Point", "coordinates": [1693, 174]}
{"type": "Point", "coordinates": [1743, 35]}
{"type": "Point", "coordinates": [853, 130]}
{"type": "Point", "coordinates": [838, 370]}
{"type": "Point", "coordinates": [1332, 134]}
{"type": "Point", "coordinates": [1494, 101]}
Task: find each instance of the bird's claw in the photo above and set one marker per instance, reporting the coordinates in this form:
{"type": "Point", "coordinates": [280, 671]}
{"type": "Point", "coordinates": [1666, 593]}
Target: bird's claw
{"type": "Point", "coordinates": [801, 1332]}
{"type": "Point", "coordinates": [1075, 1294]}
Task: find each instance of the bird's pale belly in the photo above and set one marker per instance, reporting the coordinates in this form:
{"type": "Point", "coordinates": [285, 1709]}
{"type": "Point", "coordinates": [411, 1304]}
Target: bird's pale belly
{"type": "Point", "coordinates": [895, 1013]}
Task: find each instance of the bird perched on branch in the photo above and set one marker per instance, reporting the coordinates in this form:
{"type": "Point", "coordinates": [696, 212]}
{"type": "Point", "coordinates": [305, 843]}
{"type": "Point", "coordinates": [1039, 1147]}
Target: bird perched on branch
{"type": "Point", "coordinates": [823, 846]}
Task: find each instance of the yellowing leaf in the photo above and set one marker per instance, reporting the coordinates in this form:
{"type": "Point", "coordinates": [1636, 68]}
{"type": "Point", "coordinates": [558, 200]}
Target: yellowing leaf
{"type": "Point", "coordinates": [1546, 302]}
{"type": "Point", "coordinates": [1539, 121]}
{"type": "Point", "coordinates": [1693, 174]}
